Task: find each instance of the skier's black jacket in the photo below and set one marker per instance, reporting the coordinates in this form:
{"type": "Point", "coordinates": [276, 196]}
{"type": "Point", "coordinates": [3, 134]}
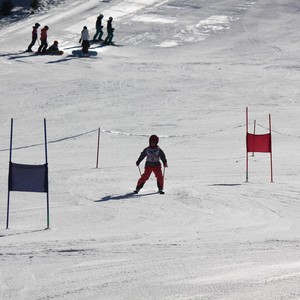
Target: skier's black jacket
{"type": "Point", "coordinates": [153, 154]}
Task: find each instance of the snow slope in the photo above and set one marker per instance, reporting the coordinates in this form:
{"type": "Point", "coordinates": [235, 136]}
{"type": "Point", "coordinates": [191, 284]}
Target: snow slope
{"type": "Point", "coordinates": [184, 70]}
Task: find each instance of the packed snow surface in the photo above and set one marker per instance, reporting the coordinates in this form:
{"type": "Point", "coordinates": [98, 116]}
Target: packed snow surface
{"type": "Point", "coordinates": [182, 69]}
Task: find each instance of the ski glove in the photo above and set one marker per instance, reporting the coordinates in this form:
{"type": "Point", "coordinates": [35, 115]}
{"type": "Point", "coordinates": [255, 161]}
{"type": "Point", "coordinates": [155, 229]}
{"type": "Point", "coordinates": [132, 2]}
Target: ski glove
{"type": "Point", "coordinates": [137, 163]}
{"type": "Point", "coordinates": [165, 165]}
{"type": "Point", "coordinates": [79, 41]}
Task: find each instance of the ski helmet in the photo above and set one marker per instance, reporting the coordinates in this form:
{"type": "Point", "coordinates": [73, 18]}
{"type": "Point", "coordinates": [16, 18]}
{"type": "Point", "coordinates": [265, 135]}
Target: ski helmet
{"type": "Point", "coordinates": [37, 25]}
{"type": "Point", "coordinates": [55, 42]}
{"type": "Point", "coordinates": [101, 16]}
{"type": "Point", "coordinates": [110, 18]}
{"type": "Point", "coordinates": [153, 139]}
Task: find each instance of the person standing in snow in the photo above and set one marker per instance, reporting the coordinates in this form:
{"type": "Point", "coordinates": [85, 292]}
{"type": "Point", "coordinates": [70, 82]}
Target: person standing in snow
{"type": "Point", "coordinates": [34, 36]}
{"type": "Point", "coordinates": [99, 31]}
{"type": "Point", "coordinates": [110, 32]}
{"type": "Point", "coordinates": [153, 156]}
{"type": "Point", "coordinates": [44, 43]}
{"type": "Point", "coordinates": [85, 40]}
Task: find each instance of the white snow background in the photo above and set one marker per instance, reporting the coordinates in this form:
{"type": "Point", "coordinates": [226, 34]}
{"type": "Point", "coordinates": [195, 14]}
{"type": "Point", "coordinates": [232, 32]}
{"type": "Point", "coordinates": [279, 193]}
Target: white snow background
{"type": "Point", "coordinates": [185, 70]}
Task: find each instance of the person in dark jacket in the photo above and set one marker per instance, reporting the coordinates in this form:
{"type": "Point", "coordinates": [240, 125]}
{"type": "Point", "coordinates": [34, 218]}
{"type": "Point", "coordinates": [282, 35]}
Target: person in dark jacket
{"type": "Point", "coordinates": [153, 156]}
{"type": "Point", "coordinates": [34, 36]}
{"type": "Point", "coordinates": [99, 31]}
{"type": "Point", "coordinates": [44, 43]}
{"type": "Point", "coordinates": [110, 32]}
{"type": "Point", "coordinates": [53, 49]}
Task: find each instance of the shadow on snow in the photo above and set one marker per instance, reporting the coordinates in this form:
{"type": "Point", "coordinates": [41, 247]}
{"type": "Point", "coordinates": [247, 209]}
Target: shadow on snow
{"type": "Point", "coordinates": [22, 232]}
{"type": "Point", "coordinates": [226, 184]}
{"type": "Point", "coordinates": [124, 197]}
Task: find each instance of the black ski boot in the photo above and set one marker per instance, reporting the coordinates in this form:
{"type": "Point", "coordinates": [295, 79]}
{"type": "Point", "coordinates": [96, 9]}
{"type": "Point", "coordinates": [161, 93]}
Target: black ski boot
{"type": "Point", "coordinates": [138, 187]}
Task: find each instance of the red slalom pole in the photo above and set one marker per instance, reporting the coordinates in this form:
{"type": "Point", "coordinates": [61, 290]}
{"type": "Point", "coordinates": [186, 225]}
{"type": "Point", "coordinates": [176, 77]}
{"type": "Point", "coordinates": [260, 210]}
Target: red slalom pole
{"type": "Point", "coordinates": [271, 160]}
{"type": "Point", "coordinates": [247, 163]}
{"type": "Point", "coordinates": [98, 149]}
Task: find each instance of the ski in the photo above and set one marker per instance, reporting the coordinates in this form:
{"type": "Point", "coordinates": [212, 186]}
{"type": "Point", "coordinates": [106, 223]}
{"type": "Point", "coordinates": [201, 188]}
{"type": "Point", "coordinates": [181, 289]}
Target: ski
{"type": "Point", "coordinates": [159, 192]}
{"type": "Point", "coordinates": [104, 44]}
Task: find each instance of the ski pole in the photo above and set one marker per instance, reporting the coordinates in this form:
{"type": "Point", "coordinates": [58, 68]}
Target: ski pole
{"type": "Point", "coordinates": [140, 170]}
{"type": "Point", "coordinates": [164, 174]}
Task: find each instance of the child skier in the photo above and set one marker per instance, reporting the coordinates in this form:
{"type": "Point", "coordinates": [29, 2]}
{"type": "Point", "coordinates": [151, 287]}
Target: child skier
{"type": "Point", "coordinates": [99, 32]}
{"type": "Point", "coordinates": [44, 43]}
{"type": "Point", "coordinates": [110, 32]}
{"type": "Point", "coordinates": [34, 36]}
{"type": "Point", "coordinates": [154, 154]}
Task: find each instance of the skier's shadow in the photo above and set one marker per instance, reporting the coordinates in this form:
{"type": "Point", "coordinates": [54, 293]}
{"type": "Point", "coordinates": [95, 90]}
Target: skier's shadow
{"type": "Point", "coordinates": [10, 54]}
{"type": "Point", "coordinates": [123, 197]}
{"type": "Point", "coordinates": [67, 58]}
{"type": "Point", "coordinates": [226, 184]}
{"type": "Point", "coordinates": [72, 47]}
{"type": "Point", "coordinates": [13, 56]}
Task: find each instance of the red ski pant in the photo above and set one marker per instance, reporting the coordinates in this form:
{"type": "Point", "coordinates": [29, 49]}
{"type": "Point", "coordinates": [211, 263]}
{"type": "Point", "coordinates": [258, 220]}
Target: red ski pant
{"type": "Point", "coordinates": [158, 174]}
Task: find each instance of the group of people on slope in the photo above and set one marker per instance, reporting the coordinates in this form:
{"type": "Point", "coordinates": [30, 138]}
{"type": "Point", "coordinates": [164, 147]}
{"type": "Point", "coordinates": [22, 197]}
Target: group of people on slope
{"type": "Point", "coordinates": [84, 38]}
{"type": "Point", "coordinates": [99, 32]}
{"type": "Point", "coordinates": [43, 48]}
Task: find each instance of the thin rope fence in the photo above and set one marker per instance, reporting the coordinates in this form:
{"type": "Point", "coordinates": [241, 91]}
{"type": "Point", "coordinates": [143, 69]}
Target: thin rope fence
{"type": "Point", "coordinates": [114, 132]}
{"type": "Point", "coordinates": [278, 132]}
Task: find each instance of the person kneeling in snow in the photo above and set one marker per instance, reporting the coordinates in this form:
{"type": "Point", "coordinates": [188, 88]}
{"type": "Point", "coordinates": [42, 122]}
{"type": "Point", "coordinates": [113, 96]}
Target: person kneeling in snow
{"type": "Point", "coordinates": [53, 49]}
{"type": "Point", "coordinates": [154, 154]}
